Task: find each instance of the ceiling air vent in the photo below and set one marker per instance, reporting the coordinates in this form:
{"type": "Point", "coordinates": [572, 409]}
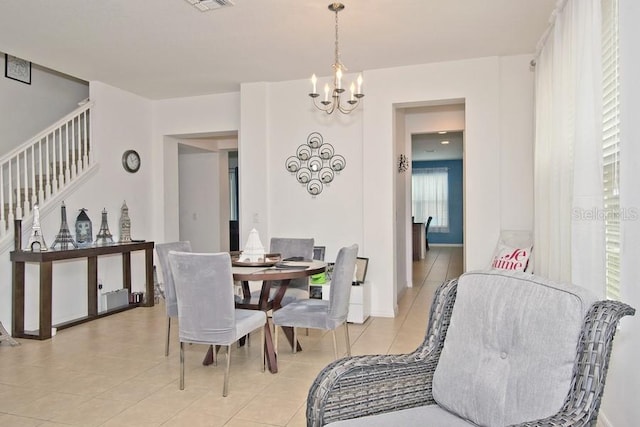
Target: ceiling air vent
{"type": "Point", "coordinates": [205, 5]}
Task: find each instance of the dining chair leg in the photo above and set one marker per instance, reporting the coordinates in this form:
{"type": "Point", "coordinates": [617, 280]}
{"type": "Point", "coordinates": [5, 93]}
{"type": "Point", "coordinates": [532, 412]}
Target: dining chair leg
{"type": "Point", "coordinates": [346, 338]}
{"type": "Point", "coordinates": [181, 365]}
{"type": "Point", "coordinates": [335, 344]}
{"type": "Point", "coordinates": [263, 342]}
{"type": "Point", "coordinates": [295, 340]}
{"type": "Point", "coordinates": [225, 388]}
{"type": "Point", "coordinates": [166, 347]}
{"type": "Point", "coordinates": [214, 352]}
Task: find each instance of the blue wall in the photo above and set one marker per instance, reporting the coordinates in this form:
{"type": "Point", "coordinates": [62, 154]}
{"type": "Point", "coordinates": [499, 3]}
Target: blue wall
{"type": "Point", "coordinates": [454, 236]}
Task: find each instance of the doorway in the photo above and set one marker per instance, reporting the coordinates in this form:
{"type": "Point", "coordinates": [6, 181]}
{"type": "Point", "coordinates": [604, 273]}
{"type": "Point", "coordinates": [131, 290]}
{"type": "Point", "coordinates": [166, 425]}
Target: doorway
{"type": "Point", "coordinates": [420, 129]}
{"type": "Point", "coordinates": [436, 186]}
{"type": "Point", "coordinates": [198, 168]}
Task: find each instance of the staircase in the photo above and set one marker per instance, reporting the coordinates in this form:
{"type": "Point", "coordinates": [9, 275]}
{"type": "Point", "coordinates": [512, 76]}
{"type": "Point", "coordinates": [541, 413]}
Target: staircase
{"type": "Point", "coordinates": [39, 170]}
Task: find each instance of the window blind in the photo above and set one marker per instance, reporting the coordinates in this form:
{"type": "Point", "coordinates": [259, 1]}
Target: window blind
{"type": "Point", "coordinates": [611, 145]}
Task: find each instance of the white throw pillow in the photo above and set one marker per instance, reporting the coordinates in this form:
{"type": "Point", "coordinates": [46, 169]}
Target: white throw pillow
{"type": "Point", "coordinates": [509, 258]}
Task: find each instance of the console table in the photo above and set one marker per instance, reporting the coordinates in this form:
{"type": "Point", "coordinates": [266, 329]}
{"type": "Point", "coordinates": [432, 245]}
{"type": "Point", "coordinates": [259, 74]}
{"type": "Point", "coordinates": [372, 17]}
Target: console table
{"type": "Point", "coordinates": [45, 261]}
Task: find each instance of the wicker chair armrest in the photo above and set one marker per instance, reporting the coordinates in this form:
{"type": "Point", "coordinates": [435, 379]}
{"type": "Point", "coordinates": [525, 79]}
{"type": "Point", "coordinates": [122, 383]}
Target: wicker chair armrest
{"type": "Point", "coordinates": [366, 385]}
{"type": "Point", "coordinates": [582, 403]}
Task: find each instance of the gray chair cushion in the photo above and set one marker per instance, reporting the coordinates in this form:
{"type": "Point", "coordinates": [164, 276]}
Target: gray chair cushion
{"type": "Point", "coordinates": [522, 331]}
{"type": "Point", "coordinates": [320, 314]}
{"type": "Point", "coordinates": [420, 416]}
{"type": "Point", "coordinates": [307, 313]}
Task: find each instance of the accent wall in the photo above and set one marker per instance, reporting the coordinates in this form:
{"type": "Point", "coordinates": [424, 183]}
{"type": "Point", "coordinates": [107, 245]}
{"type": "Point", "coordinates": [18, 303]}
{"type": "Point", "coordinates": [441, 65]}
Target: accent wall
{"type": "Point", "coordinates": [455, 234]}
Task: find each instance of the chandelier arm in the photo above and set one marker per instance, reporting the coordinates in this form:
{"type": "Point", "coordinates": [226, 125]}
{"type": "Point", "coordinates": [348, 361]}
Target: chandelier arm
{"type": "Point", "coordinates": [328, 108]}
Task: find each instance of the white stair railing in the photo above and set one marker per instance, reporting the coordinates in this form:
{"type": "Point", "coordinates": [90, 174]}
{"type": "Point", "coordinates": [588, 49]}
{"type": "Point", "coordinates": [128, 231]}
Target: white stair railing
{"type": "Point", "coordinates": [42, 167]}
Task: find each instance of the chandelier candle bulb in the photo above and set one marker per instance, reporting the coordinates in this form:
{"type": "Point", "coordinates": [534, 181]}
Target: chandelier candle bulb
{"type": "Point", "coordinates": [326, 92]}
{"type": "Point", "coordinates": [359, 83]}
{"type": "Point", "coordinates": [338, 79]}
{"type": "Point", "coordinates": [314, 80]}
{"type": "Point", "coordinates": [353, 90]}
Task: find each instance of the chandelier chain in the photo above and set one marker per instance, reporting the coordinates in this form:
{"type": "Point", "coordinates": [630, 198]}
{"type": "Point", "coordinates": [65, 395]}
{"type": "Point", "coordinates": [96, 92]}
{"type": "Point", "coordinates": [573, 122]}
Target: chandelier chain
{"type": "Point", "coordinates": [338, 63]}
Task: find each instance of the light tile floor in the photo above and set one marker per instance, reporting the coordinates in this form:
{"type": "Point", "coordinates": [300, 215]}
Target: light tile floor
{"type": "Point", "coordinates": [113, 372]}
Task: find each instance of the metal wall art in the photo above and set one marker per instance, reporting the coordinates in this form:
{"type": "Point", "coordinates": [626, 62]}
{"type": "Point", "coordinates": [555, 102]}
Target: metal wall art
{"type": "Point", "coordinates": [403, 163]}
{"type": "Point", "coordinates": [315, 164]}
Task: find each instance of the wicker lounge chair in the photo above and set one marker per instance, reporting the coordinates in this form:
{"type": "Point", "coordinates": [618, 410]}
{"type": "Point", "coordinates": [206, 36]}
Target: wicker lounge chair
{"type": "Point", "coordinates": [420, 388]}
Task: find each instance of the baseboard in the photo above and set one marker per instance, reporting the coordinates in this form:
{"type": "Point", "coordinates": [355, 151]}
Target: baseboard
{"type": "Point", "coordinates": [446, 245]}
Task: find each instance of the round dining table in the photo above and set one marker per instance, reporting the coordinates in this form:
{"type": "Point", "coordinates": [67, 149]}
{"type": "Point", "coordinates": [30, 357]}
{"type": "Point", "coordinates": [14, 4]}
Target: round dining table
{"type": "Point", "coordinates": [282, 273]}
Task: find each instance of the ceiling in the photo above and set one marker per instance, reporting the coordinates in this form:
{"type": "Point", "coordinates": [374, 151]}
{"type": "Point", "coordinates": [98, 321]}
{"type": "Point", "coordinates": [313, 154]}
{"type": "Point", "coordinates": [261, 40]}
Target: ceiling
{"type": "Point", "coordinates": [167, 48]}
{"type": "Point", "coordinates": [429, 146]}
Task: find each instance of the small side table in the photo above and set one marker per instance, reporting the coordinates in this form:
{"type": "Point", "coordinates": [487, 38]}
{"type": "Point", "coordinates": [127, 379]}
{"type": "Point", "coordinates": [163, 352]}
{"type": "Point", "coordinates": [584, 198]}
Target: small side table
{"type": "Point", "coordinates": [359, 301]}
{"type": "Point", "coordinates": [4, 336]}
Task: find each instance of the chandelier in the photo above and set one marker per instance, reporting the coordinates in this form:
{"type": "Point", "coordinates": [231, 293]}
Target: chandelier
{"type": "Point", "coordinates": [333, 99]}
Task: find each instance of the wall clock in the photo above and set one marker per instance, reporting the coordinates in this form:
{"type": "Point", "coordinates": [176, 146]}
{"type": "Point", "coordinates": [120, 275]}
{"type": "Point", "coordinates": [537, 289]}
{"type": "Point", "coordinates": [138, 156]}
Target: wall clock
{"type": "Point", "coordinates": [131, 161]}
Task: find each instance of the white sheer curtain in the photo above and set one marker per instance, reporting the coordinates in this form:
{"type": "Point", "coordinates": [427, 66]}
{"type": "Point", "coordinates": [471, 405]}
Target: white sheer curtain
{"type": "Point", "coordinates": [430, 197]}
{"type": "Point", "coordinates": [569, 226]}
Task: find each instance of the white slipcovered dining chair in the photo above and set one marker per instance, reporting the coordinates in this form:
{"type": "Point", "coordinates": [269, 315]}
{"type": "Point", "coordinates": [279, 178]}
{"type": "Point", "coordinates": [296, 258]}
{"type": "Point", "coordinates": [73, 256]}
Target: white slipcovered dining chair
{"type": "Point", "coordinates": [171, 305]}
{"type": "Point", "coordinates": [206, 306]}
{"type": "Point", "coordinates": [321, 314]}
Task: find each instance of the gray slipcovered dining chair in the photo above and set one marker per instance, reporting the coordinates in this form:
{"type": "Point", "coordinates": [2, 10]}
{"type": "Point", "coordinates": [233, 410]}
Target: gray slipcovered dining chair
{"type": "Point", "coordinates": [426, 231]}
{"type": "Point", "coordinates": [321, 314]}
{"type": "Point", "coordinates": [206, 306]}
{"type": "Point", "coordinates": [289, 247]}
{"type": "Point", "coordinates": [502, 348]}
{"type": "Point", "coordinates": [170, 302]}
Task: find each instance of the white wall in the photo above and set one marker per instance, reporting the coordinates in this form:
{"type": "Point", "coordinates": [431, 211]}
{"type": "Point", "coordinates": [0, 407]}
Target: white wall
{"type": "Point", "coordinates": [480, 83]}
{"type": "Point", "coordinates": [25, 110]}
{"type": "Point", "coordinates": [199, 205]}
{"type": "Point", "coordinates": [403, 223]}
{"type": "Point", "coordinates": [171, 119]}
{"type": "Point", "coordinates": [620, 403]}
{"type": "Point", "coordinates": [273, 119]}
{"type": "Point", "coordinates": [332, 218]}
{"type": "Point", "coordinates": [121, 121]}
{"type": "Point", "coordinates": [516, 149]}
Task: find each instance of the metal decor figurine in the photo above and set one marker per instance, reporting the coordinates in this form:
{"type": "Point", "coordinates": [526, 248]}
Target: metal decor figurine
{"type": "Point", "coordinates": [84, 229]}
{"type": "Point", "coordinates": [125, 224]}
{"type": "Point", "coordinates": [104, 236]}
{"type": "Point", "coordinates": [36, 241]}
{"type": "Point", "coordinates": [64, 238]}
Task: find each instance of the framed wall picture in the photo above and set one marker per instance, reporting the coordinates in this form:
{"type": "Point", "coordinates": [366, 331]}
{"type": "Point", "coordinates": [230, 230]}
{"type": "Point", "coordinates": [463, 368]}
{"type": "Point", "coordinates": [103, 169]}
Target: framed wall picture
{"type": "Point", "coordinates": [361, 270]}
{"type": "Point", "coordinates": [17, 69]}
{"type": "Point", "coordinates": [318, 252]}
